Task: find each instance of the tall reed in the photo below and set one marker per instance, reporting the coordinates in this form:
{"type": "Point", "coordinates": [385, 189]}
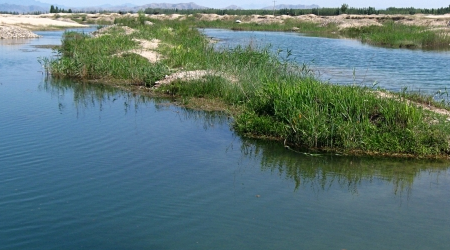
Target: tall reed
{"type": "Point", "coordinates": [396, 35]}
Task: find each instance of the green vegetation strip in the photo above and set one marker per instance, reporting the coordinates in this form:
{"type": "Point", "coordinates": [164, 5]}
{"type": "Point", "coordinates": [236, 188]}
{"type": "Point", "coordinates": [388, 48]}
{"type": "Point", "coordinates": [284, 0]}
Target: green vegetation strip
{"type": "Point", "coordinates": [396, 35]}
{"type": "Point", "coordinates": [271, 98]}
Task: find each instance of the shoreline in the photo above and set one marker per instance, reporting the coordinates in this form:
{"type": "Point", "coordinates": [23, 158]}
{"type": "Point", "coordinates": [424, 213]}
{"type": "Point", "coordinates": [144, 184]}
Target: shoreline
{"type": "Point", "coordinates": [412, 31]}
{"type": "Point", "coordinates": [22, 26]}
{"type": "Point", "coordinates": [73, 20]}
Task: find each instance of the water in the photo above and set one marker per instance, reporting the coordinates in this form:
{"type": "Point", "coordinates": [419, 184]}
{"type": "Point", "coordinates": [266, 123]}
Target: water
{"type": "Point", "coordinates": [344, 61]}
{"type": "Point", "coordinates": [91, 167]}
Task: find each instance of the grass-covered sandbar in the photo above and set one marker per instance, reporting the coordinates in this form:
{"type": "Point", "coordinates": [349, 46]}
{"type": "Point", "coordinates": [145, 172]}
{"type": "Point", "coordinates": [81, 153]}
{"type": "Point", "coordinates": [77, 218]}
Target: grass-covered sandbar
{"type": "Point", "coordinates": [391, 29]}
{"type": "Point", "coordinates": [267, 97]}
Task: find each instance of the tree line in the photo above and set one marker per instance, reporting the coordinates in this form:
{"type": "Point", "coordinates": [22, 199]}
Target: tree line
{"type": "Point", "coordinates": [9, 12]}
{"type": "Point", "coordinates": [54, 9]}
{"type": "Point", "coordinates": [343, 9]}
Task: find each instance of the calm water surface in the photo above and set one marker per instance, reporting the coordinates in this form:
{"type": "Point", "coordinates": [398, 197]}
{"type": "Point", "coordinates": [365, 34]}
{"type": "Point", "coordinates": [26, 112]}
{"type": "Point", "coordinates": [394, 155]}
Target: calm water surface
{"type": "Point", "coordinates": [91, 167]}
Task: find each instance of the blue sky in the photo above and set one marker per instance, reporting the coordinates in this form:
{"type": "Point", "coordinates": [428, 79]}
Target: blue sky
{"type": "Point", "coordinates": [263, 3]}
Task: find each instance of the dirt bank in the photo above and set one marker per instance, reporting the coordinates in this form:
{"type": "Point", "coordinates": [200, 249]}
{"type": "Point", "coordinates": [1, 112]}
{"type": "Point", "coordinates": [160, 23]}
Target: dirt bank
{"type": "Point", "coordinates": [37, 22]}
{"type": "Point", "coordinates": [7, 32]}
{"type": "Point", "coordinates": [342, 21]}
{"type": "Point", "coordinates": [21, 26]}
{"type": "Point", "coordinates": [66, 20]}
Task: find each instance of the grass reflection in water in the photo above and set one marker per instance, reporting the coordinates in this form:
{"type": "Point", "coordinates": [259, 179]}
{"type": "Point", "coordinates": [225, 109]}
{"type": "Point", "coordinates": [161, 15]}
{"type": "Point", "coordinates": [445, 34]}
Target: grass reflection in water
{"type": "Point", "coordinates": [318, 171]}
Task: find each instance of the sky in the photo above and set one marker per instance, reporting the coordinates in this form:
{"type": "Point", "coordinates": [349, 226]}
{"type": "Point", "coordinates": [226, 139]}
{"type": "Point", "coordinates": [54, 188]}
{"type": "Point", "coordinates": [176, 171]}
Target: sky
{"type": "Point", "coordinates": [379, 4]}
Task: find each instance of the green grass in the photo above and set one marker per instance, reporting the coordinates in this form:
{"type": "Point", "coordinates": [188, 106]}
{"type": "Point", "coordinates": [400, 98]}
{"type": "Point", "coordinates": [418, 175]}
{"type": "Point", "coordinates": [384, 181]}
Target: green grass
{"type": "Point", "coordinates": [311, 114]}
{"type": "Point", "coordinates": [390, 34]}
{"type": "Point", "coordinates": [273, 98]}
{"type": "Point", "coordinates": [397, 35]}
{"type": "Point", "coordinates": [85, 58]}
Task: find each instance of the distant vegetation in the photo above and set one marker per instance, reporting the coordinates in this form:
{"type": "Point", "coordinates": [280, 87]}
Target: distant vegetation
{"type": "Point", "coordinates": [328, 11]}
{"type": "Point", "coordinates": [9, 12]}
{"type": "Point", "coordinates": [54, 9]}
{"type": "Point", "coordinates": [344, 9]}
{"type": "Point", "coordinates": [397, 35]}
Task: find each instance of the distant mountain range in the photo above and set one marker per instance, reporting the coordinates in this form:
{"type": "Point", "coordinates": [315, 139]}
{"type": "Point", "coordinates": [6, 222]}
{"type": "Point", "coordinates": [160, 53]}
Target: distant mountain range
{"type": "Point", "coordinates": [233, 7]}
{"type": "Point", "coordinates": [183, 6]}
{"type": "Point", "coordinates": [291, 6]}
{"type": "Point", "coordinates": [135, 8]}
{"type": "Point", "coordinates": [27, 6]}
{"type": "Point", "coordinates": [24, 3]}
{"type": "Point", "coordinates": [6, 7]}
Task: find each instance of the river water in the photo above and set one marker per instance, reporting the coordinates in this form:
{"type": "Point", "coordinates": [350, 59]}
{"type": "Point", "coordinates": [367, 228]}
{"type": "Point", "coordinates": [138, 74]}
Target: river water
{"type": "Point", "coordinates": [345, 61]}
{"type": "Point", "coordinates": [92, 167]}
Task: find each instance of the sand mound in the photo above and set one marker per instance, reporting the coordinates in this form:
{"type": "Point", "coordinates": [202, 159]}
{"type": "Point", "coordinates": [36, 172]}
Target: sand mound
{"type": "Point", "coordinates": [192, 75]}
{"type": "Point", "coordinates": [146, 50]}
{"type": "Point", "coordinates": [105, 30]}
{"type": "Point", "coordinates": [36, 22]}
{"type": "Point", "coordinates": [7, 32]}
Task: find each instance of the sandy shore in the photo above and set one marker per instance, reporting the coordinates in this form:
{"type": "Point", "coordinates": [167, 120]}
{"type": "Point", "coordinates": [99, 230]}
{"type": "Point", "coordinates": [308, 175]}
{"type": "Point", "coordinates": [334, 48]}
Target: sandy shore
{"type": "Point", "coordinates": [36, 22]}
{"type": "Point", "coordinates": [58, 21]}
{"type": "Point", "coordinates": [21, 26]}
{"type": "Point", "coordinates": [342, 21]}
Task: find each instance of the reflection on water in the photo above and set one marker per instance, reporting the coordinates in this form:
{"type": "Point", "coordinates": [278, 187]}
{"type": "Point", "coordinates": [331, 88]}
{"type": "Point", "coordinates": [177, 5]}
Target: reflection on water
{"type": "Point", "coordinates": [86, 95]}
{"type": "Point", "coordinates": [11, 43]}
{"type": "Point", "coordinates": [316, 171]}
{"type": "Point", "coordinates": [322, 171]}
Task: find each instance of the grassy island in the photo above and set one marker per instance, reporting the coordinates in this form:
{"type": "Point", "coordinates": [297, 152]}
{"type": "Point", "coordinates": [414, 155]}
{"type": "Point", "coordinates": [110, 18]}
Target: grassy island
{"type": "Point", "coordinates": [267, 97]}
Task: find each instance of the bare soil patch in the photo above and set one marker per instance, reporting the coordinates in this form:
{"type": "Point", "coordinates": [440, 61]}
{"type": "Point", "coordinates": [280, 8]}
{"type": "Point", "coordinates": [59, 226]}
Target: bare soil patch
{"type": "Point", "coordinates": [103, 31]}
{"type": "Point", "coordinates": [417, 104]}
{"type": "Point", "coordinates": [147, 49]}
{"type": "Point", "coordinates": [37, 22]}
{"type": "Point", "coordinates": [8, 32]}
{"type": "Point", "coordinates": [184, 75]}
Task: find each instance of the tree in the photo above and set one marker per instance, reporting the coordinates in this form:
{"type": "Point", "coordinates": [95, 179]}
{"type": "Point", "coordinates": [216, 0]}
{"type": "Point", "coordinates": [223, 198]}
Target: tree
{"type": "Point", "coordinates": [344, 7]}
{"type": "Point", "coordinates": [52, 9]}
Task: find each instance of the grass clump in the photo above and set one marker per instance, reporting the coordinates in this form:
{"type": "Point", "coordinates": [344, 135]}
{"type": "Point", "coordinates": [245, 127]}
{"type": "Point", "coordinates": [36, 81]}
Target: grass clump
{"type": "Point", "coordinates": [348, 118]}
{"type": "Point", "coordinates": [396, 35]}
{"type": "Point", "coordinates": [271, 98]}
{"type": "Point", "coordinates": [86, 58]}
{"type": "Point", "coordinates": [389, 34]}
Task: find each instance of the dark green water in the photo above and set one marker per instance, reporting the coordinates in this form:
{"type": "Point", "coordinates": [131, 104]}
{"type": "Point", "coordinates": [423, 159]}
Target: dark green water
{"type": "Point", "coordinates": [91, 167]}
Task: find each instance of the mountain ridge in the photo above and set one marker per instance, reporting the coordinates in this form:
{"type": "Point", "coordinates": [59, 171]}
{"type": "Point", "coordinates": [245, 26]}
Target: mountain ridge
{"type": "Point", "coordinates": [291, 6]}
{"type": "Point", "coordinates": [28, 6]}
{"type": "Point", "coordinates": [6, 7]}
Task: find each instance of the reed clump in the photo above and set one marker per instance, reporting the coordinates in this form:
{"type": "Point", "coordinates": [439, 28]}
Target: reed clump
{"type": "Point", "coordinates": [85, 57]}
{"type": "Point", "coordinates": [389, 34]}
{"type": "Point", "coordinates": [396, 35]}
{"type": "Point", "coordinates": [272, 97]}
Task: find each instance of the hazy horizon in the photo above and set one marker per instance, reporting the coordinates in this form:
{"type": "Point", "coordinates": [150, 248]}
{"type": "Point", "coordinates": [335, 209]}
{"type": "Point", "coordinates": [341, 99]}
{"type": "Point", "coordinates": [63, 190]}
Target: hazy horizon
{"type": "Point", "coordinates": [380, 4]}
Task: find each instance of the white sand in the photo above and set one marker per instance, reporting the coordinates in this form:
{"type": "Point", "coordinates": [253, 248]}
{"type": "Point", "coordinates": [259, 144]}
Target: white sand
{"type": "Point", "coordinates": [35, 22]}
